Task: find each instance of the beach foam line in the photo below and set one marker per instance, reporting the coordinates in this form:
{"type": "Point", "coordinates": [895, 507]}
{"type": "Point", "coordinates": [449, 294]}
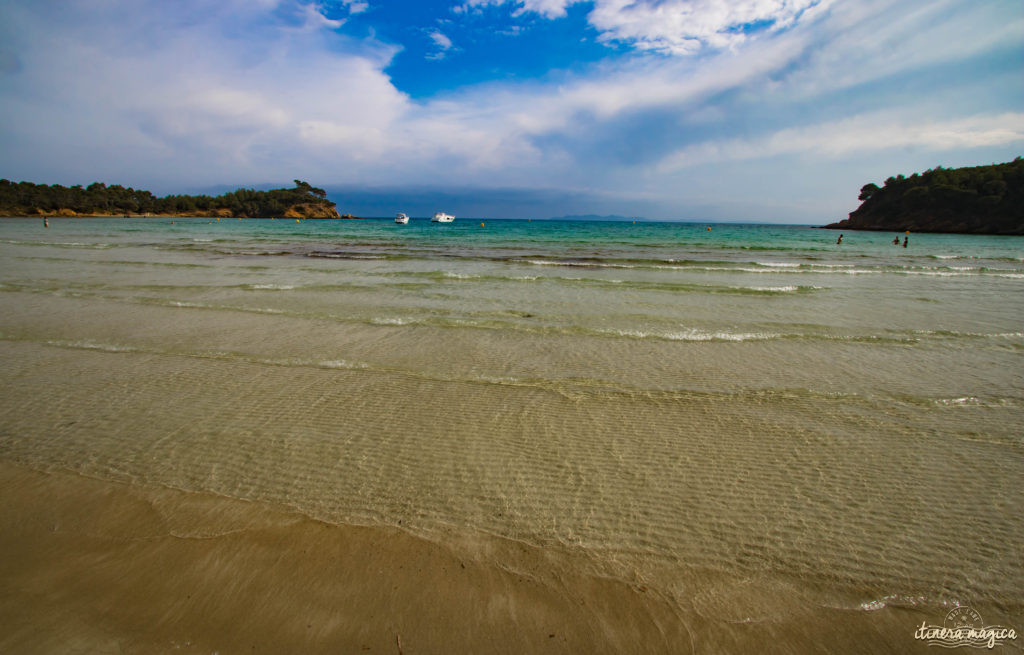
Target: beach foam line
{"type": "Point", "coordinates": [60, 244]}
{"type": "Point", "coordinates": [86, 344]}
{"type": "Point", "coordinates": [651, 285]}
{"type": "Point", "coordinates": [572, 387]}
{"type": "Point", "coordinates": [110, 262]}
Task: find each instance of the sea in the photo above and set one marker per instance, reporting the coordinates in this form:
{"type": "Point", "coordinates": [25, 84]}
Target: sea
{"type": "Point", "coordinates": [753, 421]}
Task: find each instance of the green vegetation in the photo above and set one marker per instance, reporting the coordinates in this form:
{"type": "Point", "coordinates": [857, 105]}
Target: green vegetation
{"type": "Point", "coordinates": [98, 199]}
{"type": "Point", "coordinates": [975, 200]}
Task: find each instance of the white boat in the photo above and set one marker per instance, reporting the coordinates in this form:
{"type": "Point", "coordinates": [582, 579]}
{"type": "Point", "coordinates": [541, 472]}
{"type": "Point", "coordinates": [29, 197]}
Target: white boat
{"type": "Point", "coordinates": [441, 217]}
{"type": "Point", "coordinates": [401, 218]}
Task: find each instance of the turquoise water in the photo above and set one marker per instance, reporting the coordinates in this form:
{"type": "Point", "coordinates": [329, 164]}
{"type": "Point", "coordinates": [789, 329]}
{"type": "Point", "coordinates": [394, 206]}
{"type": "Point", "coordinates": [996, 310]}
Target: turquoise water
{"type": "Point", "coordinates": [750, 412]}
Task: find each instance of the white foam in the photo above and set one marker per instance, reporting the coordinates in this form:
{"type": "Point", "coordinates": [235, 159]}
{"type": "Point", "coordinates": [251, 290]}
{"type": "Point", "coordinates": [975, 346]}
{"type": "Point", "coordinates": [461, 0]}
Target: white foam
{"type": "Point", "coordinates": [695, 335]}
{"type": "Point", "coordinates": [966, 400]}
{"type": "Point", "coordinates": [899, 601]}
{"type": "Point", "coordinates": [92, 345]}
{"type": "Point", "coordinates": [340, 363]}
{"type": "Point", "coordinates": [542, 262]}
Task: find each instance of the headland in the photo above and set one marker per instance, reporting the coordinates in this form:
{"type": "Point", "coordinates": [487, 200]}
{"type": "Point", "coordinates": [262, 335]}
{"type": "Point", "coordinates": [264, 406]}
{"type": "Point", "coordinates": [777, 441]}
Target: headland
{"type": "Point", "coordinates": [974, 200]}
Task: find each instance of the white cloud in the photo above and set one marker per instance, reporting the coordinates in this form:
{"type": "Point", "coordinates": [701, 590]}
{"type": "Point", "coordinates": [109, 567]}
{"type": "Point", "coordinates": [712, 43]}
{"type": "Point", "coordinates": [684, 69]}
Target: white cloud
{"type": "Point", "coordinates": [231, 98]}
{"type": "Point", "coordinates": [675, 27]}
{"type": "Point", "coordinates": [440, 40]}
{"type": "Point", "coordinates": [315, 18]}
{"type": "Point", "coordinates": [546, 8]}
{"type": "Point", "coordinates": [356, 6]}
{"type": "Point", "coordinates": [872, 132]}
{"type": "Point", "coordinates": [681, 27]}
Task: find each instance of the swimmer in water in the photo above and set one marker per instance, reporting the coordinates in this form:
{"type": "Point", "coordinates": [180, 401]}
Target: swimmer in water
{"type": "Point", "coordinates": [839, 240]}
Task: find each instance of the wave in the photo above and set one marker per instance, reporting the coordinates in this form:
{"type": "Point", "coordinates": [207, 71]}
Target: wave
{"type": "Point", "coordinates": [60, 244]}
{"type": "Point", "coordinates": [792, 261]}
{"type": "Point", "coordinates": [518, 321]}
{"type": "Point", "coordinates": [448, 276]}
{"type": "Point", "coordinates": [787, 268]}
{"type": "Point", "coordinates": [565, 385]}
{"type": "Point", "coordinates": [356, 256]}
{"type": "Point", "coordinates": [573, 387]}
{"type": "Point", "coordinates": [112, 262]}
{"type": "Point", "coordinates": [901, 601]}
{"type": "Point", "coordinates": [996, 258]}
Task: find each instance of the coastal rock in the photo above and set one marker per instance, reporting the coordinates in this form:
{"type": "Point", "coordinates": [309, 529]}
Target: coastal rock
{"type": "Point", "coordinates": [310, 210]}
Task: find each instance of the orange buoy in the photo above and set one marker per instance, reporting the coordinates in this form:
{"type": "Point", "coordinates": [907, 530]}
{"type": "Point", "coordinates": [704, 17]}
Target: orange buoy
{"type": "Point", "coordinates": [481, 224]}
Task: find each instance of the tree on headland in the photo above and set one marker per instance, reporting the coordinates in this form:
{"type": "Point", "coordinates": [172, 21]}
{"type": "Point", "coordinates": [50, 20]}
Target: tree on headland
{"type": "Point", "coordinates": [867, 191]}
{"type": "Point", "coordinates": [973, 200]}
{"type": "Point", "coordinates": [306, 187]}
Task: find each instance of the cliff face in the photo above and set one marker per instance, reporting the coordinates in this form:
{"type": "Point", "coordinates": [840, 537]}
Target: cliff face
{"type": "Point", "coordinates": [976, 200]}
{"type": "Point", "coordinates": [310, 210]}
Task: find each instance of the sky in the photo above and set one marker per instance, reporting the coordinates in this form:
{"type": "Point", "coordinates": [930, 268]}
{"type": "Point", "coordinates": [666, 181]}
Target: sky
{"type": "Point", "coordinates": [710, 110]}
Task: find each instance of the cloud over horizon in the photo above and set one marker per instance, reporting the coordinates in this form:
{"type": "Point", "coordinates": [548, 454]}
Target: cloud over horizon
{"type": "Point", "coordinates": [686, 94]}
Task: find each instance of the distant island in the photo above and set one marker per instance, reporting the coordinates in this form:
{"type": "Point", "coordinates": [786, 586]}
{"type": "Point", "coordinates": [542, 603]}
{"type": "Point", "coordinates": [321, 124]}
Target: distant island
{"type": "Point", "coordinates": [98, 199]}
{"type": "Point", "coordinates": [973, 200]}
{"type": "Point", "coordinates": [595, 217]}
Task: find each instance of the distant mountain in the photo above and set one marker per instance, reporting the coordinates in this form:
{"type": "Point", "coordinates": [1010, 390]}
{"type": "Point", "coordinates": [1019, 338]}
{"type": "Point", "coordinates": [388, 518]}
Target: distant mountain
{"type": "Point", "coordinates": [975, 200]}
{"type": "Point", "coordinates": [595, 217]}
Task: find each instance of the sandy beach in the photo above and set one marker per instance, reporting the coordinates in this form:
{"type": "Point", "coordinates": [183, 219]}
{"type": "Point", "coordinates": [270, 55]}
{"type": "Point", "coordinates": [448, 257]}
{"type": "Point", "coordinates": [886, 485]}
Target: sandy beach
{"type": "Point", "coordinates": [91, 566]}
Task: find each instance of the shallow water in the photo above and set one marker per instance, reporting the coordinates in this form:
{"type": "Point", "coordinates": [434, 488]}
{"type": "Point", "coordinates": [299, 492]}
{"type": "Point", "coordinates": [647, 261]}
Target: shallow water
{"type": "Point", "coordinates": [748, 420]}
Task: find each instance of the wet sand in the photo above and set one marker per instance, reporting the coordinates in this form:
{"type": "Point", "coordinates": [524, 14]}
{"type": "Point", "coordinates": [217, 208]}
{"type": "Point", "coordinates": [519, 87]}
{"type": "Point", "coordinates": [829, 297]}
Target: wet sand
{"type": "Point", "coordinates": [93, 566]}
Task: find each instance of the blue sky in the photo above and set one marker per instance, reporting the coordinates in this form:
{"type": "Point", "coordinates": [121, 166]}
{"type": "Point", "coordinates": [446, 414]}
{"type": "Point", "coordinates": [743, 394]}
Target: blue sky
{"type": "Point", "coordinates": [748, 110]}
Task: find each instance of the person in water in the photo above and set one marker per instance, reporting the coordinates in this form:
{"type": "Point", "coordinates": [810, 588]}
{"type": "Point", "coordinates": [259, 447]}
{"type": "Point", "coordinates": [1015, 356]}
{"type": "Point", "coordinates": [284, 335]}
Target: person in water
{"type": "Point", "coordinates": [905, 241]}
{"type": "Point", "coordinates": [839, 240]}
{"type": "Point", "coordinates": [896, 241]}
{"type": "Point", "coordinates": [46, 222]}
